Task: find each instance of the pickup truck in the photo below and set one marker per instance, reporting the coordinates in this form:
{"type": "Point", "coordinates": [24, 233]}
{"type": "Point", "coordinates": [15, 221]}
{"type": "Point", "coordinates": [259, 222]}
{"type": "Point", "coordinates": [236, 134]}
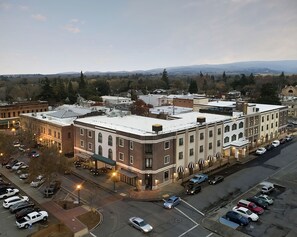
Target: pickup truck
{"type": "Point", "coordinates": [9, 192]}
{"type": "Point", "coordinates": [31, 218]}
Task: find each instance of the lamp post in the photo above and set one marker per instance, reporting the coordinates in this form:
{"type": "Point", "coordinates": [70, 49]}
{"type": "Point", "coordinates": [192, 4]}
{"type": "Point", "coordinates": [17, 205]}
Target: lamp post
{"type": "Point", "coordinates": [78, 187]}
{"type": "Point", "coordinates": [114, 180]}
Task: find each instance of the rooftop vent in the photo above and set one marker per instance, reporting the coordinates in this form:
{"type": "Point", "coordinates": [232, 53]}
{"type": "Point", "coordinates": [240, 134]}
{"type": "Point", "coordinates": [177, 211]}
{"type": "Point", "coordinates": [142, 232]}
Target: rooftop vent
{"type": "Point", "coordinates": [200, 120]}
{"type": "Point", "coordinates": [157, 128]}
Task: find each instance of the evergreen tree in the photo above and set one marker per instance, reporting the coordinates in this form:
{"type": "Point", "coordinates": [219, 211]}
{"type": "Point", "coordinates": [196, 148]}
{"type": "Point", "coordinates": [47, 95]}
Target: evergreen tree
{"type": "Point", "coordinates": [193, 87]}
{"type": "Point", "coordinates": [47, 92]}
{"type": "Point", "coordinates": [71, 93]}
{"type": "Point", "coordinates": [82, 83]}
{"type": "Point", "coordinates": [269, 94]}
{"type": "Point", "coordinates": [165, 79]}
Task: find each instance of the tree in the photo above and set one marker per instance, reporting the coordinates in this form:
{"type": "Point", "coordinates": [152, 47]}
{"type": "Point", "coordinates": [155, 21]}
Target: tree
{"type": "Point", "coordinates": [47, 92]}
{"type": "Point", "coordinates": [165, 79]}
{"type": "Point", "coordinates": [193, 87]}
{"type": "Point", "coordinates": [82, 83]}
{"type": "Point", "coordinates": [269, 94]}
{"type": "Point", "coordinates": [139, 107]}
{"type": "Point", "coordinates": [71, 93]}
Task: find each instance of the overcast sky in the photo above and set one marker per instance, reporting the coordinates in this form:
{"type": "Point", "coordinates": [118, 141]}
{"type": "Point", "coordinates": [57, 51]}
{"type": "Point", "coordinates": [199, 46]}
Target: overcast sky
{"type": "Point", "coordinates": [52, 36]}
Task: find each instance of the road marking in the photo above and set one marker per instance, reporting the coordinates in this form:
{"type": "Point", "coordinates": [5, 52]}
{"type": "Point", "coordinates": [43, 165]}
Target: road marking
{"type": "Point", "coordinates": [186, 216]}
{"type": "Point", "coordinates": [209, 235]}
{"type": "Point", "coordinates": [92, 234]}
{"type": "Point", "coordinates": [193, 207]}
{"type": "Point", "coordinates": [188, 230]}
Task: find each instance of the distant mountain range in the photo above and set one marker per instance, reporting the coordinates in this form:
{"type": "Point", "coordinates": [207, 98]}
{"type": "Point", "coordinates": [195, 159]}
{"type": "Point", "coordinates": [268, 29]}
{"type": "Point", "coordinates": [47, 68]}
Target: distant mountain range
{"type": "Point", "coordinates": [255, 67]}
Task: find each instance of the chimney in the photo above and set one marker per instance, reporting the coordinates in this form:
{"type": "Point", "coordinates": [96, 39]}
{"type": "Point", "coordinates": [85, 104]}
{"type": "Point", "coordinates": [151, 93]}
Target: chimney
{"type": "Point", "coordinates": [200, 120]}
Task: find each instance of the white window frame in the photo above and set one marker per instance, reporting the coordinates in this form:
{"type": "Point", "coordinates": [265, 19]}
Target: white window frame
{"type": "Point", "coordinates": [90, 146]}
{"type": "Point", "coordinates": [131, 145]}
{"type": "Point", "coordinates": [121, 156]}
{"type": "Point", "coordinates": [121, 142]}
{"type": "Point", "coordinates": [82, 143]}
{"type": "Point", "coordinates": [166, 159]}
{"type": "Point", "coordinates": [81, 131]}
{"type": "Point", "coordinates": [166, 171]}
{"type": "Point", "coordinates": [131, 160]}
{"type": "Point", "coordinates": [166, 142]}
{"type": "Point", "coordinates": [90, 133]}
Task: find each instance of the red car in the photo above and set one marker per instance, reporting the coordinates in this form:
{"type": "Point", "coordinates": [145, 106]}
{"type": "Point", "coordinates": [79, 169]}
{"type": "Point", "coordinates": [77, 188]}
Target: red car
{"type": "Point", "coordinates": [251, 206]}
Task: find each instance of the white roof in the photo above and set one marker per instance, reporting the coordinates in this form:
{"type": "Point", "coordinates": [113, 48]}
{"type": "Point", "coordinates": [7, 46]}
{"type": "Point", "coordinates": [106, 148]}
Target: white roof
{"type": "Point", "coordinates": [170, 110]}
{"type": "Point", "coordinates": [143, 125]}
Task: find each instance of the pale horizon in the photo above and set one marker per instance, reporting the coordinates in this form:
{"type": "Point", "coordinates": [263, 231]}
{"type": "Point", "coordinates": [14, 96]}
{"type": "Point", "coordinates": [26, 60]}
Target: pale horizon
{"type": "Point", "coordinates": [51, 37]}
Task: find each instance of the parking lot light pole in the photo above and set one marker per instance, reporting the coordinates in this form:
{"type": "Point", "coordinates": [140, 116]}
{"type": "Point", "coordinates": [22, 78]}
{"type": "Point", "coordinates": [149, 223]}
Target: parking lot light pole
{"type": "Point", "coordinates": [114, 180]}
{"type": "Point", "coordinates": [78, 187]}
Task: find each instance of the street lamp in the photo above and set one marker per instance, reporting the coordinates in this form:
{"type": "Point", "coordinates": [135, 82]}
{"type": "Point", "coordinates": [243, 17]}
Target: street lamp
{"type": "Point", "coordinates": [78, 187]}
{"type": "Point", "coordinates": [114, 180]}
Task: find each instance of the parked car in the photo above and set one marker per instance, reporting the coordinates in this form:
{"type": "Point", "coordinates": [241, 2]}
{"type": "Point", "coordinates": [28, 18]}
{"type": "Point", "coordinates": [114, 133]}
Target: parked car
{"type": "Point", "coordinates": [17, 165]}
{"type": "Point", "coordinates": [13, 200]}
{"type": "Point", "coordinates": [23, 212]}
{"type": "Point", "coordinates": [21, 205]}
{"type": "Point", "coordinates": [267, 187]}
{"type": "Point", "coordinates": [260, 151]}
{"type": "Point", "coordinates": [34, 154]}
{"type": "Point", "coordinates": [6, 161]}
{"type": "Point", "coordinates": [24, 176]}
{"type": "Point", "coordinates": [37, 181]}
{"type": "Point", "coordinates": [199, 178]}
{"type": "Point", "coordinates": [259, 202]}
{"type": "Point", "coordinates": [216, 179]}
{"type": "Point", "coordinates": [275, 143]}
{"type": "Point", "coordinates": [269, 147]}
{"type": "Point", "coordinates": [289, 138]}
{"type": "Point", "coordinates": [140, 224]}
{"type": "Point", "coordinates": [193, 189]}
{"type": "Point", "coordinates": [77, 164]}
{"type": "Point", "coordinates": [246, 213]}
{"type": "Point", "coordinates": [237, 218]}
{"type": "Point", "coordinates": [266, 198]}
{"type": "Point", "coordinates": [172, 202]}
{"type": "Point", "coordinates": [251, 206]}
{"type": "Point", "coordinates": [11, 164]}
{"type": "Point", "coordinates": [9, 192]}
{"type": "Point", "coordinates": [52, 188]}
{"type": "Point", "coordinates": [282, 140]}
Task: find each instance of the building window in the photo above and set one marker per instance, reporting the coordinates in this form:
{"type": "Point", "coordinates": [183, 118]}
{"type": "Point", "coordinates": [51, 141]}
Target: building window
{"type": "Point", "coordinates": [227, 128]}
{"type": "Point", "coordinates": [191, 138]}
{"type": "Point", "coordinates": [180, 155]}
{"type": "Point", "coordinates": [110, 155]}
{"type": "Point", "coordinates": [218, 143]}
{"type": "Point", "coordinates": [262, 128]}
{"type": "Point", "coordinates": [100, 137]}
{"type": "Point", "coordinates": [275, 124]}
{"type": "Point", "coordinates": [226, 139]}
{"type": "Point", "coordinates": [166, 160]}
{"type": "Point", "coordinates": [210, 133]}
{"type": "Point", "coordinates": [89, 145]}
{"type": "Point", "coordinates": [59, 135]}
{"type": "Point", "coordinates": [262, 119]}
{"type": "Point", "coordinates": [148, 148]}
{"type": "Point", "coordinates": [219, 131]}
{"type": "Point", "coordinates": [267, 126]}
{"type": "Point", "coordinates": [166, 175]}
{"type": "Point", "coordinates": [121, 142]}
{"type": "Point", "coordinates": [131, 145]}
{"type": "Point", "coordinates": [201, 136]}
{"type": "Point", "coordinates": [234, 126]}
{"type": "Point", "coordinates": [55, 134]}
{"type": "Point", "coordinates": [90, 134]}
{"type": "Point", "coordinates": [100, 150]}
{"type": "Point", "coordinates": [110, 140]}
{"type": "Point", "coordinates": [210, 145]}
{"type": "Point", "coordinates": [272, 116]}
{"type": "Point", "coordinates": [241, 125]}
{"type": "Point", "coordinates": [181, 141]}
{"type": "Point", "coordinates": [166, 145]}
{"type": "Point", "coordinates": [82, 131]}
{"type": "Point", "coordinates": [267, 117]}
{"type": "Point", "coordinates": [49, 132]}
{"type": "Point", "coordinates": [233, 138]}
{"type": "Point", "coordinates": [121, 156]}
{"type": "Point", "coordinates": [276, 115]}
{"type": "Point", "coordinates": [148, 162]}
{"type": "Point", "coordinates": [201, 149]}
{"type": "Point", "coordinates": [240, 135]}
{"type": "Point", "coordinates": [272, 125]}
{"type": "Point", "coordinates": [82, 143]}
{"type": "Point", "coordinates": [131, 160]}
{"type": "Point", "coordinates": [191, 152]}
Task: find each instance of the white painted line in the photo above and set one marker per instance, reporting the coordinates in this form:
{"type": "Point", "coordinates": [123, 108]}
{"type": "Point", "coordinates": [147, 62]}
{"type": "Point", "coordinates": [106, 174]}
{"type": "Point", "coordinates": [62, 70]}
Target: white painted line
{"type": "Point", "coordinates": [209, 235]}
{"type": "Point", "coordinates": [188, 230]}
{"type": "Point", "coordinates": [193, 207]}
{"type": "Point", "coordinates": [186, 216]}
{"type": "Point", "coordinates": [92, 234]}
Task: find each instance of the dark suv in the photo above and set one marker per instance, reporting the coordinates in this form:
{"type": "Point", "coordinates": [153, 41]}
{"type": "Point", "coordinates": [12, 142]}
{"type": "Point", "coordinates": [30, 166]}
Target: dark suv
{"type": "Point", "coordinates": [52, 188]}
{"type": "Point", "coordinates": [193, 189]}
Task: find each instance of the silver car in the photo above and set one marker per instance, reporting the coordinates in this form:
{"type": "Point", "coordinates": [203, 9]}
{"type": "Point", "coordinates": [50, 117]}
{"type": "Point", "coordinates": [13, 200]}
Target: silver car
{"type": "Point", "coordinates": [172, 202]}
{"type": "Point", "coordinates": [140, 224]}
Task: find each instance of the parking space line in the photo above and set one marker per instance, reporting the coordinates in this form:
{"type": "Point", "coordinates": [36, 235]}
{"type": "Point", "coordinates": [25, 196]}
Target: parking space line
{"type": "Point", "coordinates": [209, 235]}
{"type": "Point", "coordinates": [188, 230]}
{"type": "Point", "coordinates": [193, 207]}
